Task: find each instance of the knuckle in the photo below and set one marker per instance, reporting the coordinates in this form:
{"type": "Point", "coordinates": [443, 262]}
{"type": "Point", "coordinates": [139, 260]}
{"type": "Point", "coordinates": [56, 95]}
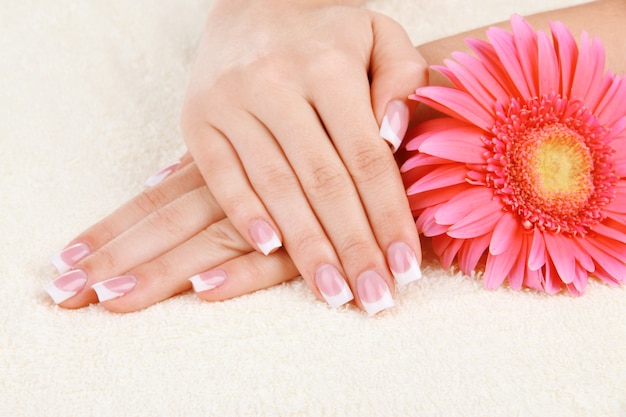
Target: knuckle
{"type": "Point", "coordinates": [224, 236]}
{"type": "Point", "coordinates": [306, 243]}
{"type": "Point", "coordinates": [150, 200]}
{"type": "Point", "coordinates": [353, 246]}
{"type": "Point", "coordinates": [369, 163]}
{"type": "Point", "coordinates": [326, 180]}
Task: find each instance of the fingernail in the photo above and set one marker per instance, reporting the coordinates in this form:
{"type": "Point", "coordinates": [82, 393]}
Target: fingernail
{"type": "Point", "coordinates": [403, 263]}
{"type": "Point", "coordinates": [66, 286]}
{"type": "Point", "coordinates": [208, 280]}
{"type": "Point", "coordinates": [264, 236]}
{"type": "Point", "coordinates": [395, 123]}
{"type": "Point", "coordinates": [333, 286]}
{"type": "Point", "coordinates": [115, 287]}
{"type": "Point", "coordinates": [373, 292]}
{"type": "Point", "coordinates": [160, 175]}
{"type": "Point", "coordinates": [68, 257]}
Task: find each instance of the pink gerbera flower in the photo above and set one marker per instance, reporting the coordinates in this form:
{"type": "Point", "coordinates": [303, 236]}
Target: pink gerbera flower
{"type": "Point", "coordinates": [529, 168]}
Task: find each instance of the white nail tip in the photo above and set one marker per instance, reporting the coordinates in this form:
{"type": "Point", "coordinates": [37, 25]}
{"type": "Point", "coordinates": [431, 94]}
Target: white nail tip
{"type": "Point", "coordinates": [58, 263]}
{"type": "Point", "coordinates": [387, 133]}
{"type": "Point", "coordinates": [337, 300]}
{"type": "Point", "coordinates": [57, 294]}
{"type": "Point", "coordinates": [114, 287]}
{"type": "Point", "coordinates": [270, 245]}
{"type": "Point", "coordinates": [200, 284]}
{"type": "Point", "coordinates": [160, 175]}
{"type": "Point", "coordinates": [412, 274]}
{"type": "Point", "coordinates": [386, 301]}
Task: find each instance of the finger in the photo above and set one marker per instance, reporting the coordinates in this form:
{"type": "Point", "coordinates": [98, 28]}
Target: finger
{"type": "Point", "coordinates": [331, 195]}
{"type": "Point", "coordinates": [150, 200]}
{"type": "Point", "coordinates": [396, 70]}
{"type": "Point", "coordinates": [154, 235]}
{"type": "Point", "coordinates": [352, 126]}
{"type": "Point", "coordinates": [273, 180]}
{"type": "Point", "coordinates": [241, 270]}
{"type": "Point", "coordinates": [229, 184]}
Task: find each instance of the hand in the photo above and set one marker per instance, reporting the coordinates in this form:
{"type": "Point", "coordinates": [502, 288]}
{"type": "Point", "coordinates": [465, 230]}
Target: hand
{"type": "Point", "coordinates": [147, 250]}
{"type": "Point", "coordinates": [282, 115]}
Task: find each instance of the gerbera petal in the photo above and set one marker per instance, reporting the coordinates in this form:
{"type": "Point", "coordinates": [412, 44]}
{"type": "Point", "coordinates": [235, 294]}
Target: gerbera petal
{"type": "Point", "coordinates": [478, 222]}
{"type": "Point", "coordinates": [609, 263]}
{"type": "Point", "coordinates": [597, 86]}
{"type": "Point", "coordinates": [504, 46]}
{"type": "Point", "coordinates": [450, 252]}
{"type": "Point", "coordinates": [489, 58]}
{"type": "Point", "coordinates": [505, 231]}
{"type": "Point", "coordinates": [455, 103]}
{"type": "Point", "coordinates": [525, 40]}
{"type": "Point", "coordinates": [560, 252]}
{"type": "Point", "coordinates": [462, 204]}
{"type": "Point", "coordinates": [517, 273]}
{"type": "Point", "coordinates": [468, 82]}
{"type": "Point", "coordinates": [603, 230]}
{"type": "Point", "coordinates": [427, 225]}
{"type": "Point", "coordinates": [552, 284]}
{"type": "Point", "coordinates": [459, 144]}
{"type": "Point", "coordinates": [422, 131]}
{"type": "Point", "coordinates": [472, 251]}
{"type": "Point", "coordinates": [533, 279]}
{"type": "Point", "coordinates": [549, 76]}
{"type": "Point", "coordinates": [491, 84]}
{"type": "Point", "coordinates": [567, 51]}
{"type": "Point", "coordinates": [436, 197]}
{"type": "Point", "coordinates": [537, 253]}
{"type": "Point", "coordinates": [499, 267]}
{"type": "Point", "coordinates": [610, 109]}
{"type": "Point", "coordinates": [440, 177]}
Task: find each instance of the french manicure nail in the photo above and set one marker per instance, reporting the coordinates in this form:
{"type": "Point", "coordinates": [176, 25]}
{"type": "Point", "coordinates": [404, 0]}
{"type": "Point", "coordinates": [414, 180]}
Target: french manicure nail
{"type": "Point", "coordinates": [403, 263]}
{"type": "Point", "coordinates": [395, 123]}
{"type": "Point", "coordinates": [373, 292]}
{"type": "Point", "coordinates": [264, 236]}
{"type": "Point", "coordinates": [161, 174]}
{"type": "Point", "coordinates": [68, 257]}
{"type": "Point", "coordinates": [115, 287]}
{"type": "Point", "coordinates": [332, 286]}
{"type": "Point", "coordinates": [208, 280]}
{"type": "Point", "coordinates": [66, 285]}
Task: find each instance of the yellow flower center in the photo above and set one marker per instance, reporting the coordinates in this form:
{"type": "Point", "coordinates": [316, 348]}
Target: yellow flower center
{"type": "Point", "coordinates": [562, 165]}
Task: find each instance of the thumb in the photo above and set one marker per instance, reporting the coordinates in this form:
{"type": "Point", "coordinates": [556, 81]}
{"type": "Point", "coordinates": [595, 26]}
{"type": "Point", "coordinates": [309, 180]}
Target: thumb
{"type": "Point", "coordinates": [396, 70]}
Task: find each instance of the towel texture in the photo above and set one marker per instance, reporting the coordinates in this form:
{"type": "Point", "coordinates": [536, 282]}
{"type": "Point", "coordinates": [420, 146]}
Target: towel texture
{"type": "Point", "coordinates": [89, 102]}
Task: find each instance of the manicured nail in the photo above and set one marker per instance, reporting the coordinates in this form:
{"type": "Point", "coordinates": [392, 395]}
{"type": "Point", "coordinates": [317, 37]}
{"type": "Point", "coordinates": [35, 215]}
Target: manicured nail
{"type": "Point", "coordinates": [66, 286]}
{"type": "Point", "coordinates": [160, 175]}
{"type": "Point", "coordinates": [395, 123]}
{"type": "Point", "coordinates": [403, 263]}
{"type": "Point", "coordinates": [333, 286]}
{"type": "Point", "coordinates": [264, 236]}
{"type": "Point", "coordinates": [373, 292]}
{"type": "Point", "coordinates": [115, 287]}
{"type": "Point", "coordinates": [68, 257]}
{"type": "Point", "coordinates": [208, 280]}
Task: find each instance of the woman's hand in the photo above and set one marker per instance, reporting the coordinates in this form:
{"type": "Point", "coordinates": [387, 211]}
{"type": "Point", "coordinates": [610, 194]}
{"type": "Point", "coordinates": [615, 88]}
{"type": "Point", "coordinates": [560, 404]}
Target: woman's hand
{"type": "Point", "coordinates": [284, 114]}
{"type": "Point", "coordinates": [148, 249]}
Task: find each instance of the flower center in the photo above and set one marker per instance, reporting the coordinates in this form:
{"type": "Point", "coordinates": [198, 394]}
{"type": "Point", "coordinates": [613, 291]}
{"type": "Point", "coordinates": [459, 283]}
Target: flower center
{"type": "Point", "coordinates": [551, 167]}
{"type": "Point", "coordinates": [548, 162]}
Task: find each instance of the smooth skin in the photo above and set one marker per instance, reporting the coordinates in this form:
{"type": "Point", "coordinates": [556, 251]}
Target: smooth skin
{"type": "Point", "coordinates": [183, 230]}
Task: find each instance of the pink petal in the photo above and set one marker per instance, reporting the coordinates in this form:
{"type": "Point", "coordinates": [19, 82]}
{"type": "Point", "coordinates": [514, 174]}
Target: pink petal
{"type": "Point", "coordinates": [579, 284]}
{"type": "Point", "coordinates": [460, 144]}
{"type": "Point", "coordinates": [533, 279]}
{"type": "Point", "coordinates": [612, 265]}
{"type": "Point", "coordinates": [441, 177]}
{"type": "Point", "coordinates": [525, 40]}
{"type": "Point", "coordinates": [560, 252]}
{"type": "Point", "coordinates": [427, 225]}
{"type": "Point", "coordinates": [549, 75]}
{"type": "Point", "coordinates": [499, 266]}
{"type": "Point", "coordinates": [477, 223]}
{"type": "Point", "coordinates": [597, 86]}
{"type": "Point", "coordinates": [436, 197]}
{"type": "Point", "coordinates": [490, 83]}
{"type": "Point", "coordinates": [610, 107]}
{"type": "Point", "coordinates": [489, 58]}
{"type": "Point", "coordinates": [450, 252]}
{"type": "Point", "coordinates": [472, 251]}
{"type": "Point", "coordinates": [610, 232]}
{"type": "Point", "coordinates": [504, 233]}
{"type": "Point", "coordinates": [504, 46]}
{"type": "Point", "coordinates": [518, 270]}
{"type": "Point", "coordinates": [467, 81]}
{"type": "Point", "coordinates": [422, 131]}
{"type": "Point", "coordinates": [567, 51]}
{"type": "Point", "coordinates": [537, 254]}
{"type": "Point", "coordinates": [552, 284]}
{"type": "Point", "coordinates": [421, 160]}
{"type": "Point", "coordinates": [462, 204]}
{"type": "Point", "coordinates": [455, 103]}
